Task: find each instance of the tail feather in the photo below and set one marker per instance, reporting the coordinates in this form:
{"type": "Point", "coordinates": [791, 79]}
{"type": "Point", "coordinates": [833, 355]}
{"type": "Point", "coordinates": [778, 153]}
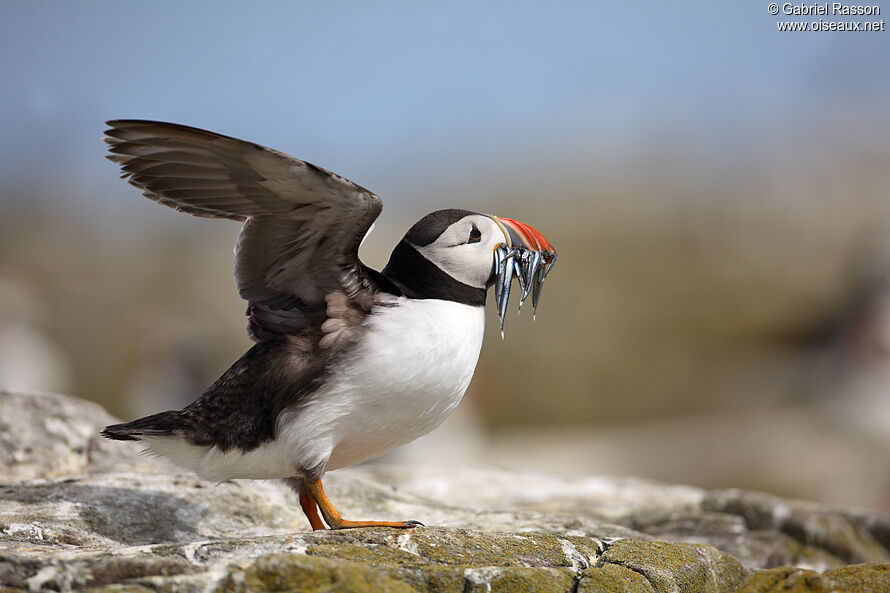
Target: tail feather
{"type": "Point", "coordinates": [162, 424]}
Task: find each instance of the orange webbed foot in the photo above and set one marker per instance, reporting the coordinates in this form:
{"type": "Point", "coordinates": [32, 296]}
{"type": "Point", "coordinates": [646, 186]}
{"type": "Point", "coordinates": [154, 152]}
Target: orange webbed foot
{"type": "Point", "coordinates": [313, 499]}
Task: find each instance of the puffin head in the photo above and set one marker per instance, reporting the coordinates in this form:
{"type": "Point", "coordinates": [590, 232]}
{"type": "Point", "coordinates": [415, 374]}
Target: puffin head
{"type": "Point", "coordinates": [462, 253]}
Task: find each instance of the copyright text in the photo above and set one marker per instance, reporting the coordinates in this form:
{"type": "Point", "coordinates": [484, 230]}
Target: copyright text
{"type": "Point", "coordinates": [827, 8]}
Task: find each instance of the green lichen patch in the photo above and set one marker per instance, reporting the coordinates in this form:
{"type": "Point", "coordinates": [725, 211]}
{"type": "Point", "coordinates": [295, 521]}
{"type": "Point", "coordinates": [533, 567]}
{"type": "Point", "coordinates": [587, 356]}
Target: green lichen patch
{"type": "Point", "coordinates": [349, 567]}
{"type": "Point", "coordinates": [454, 547]}
{"type": "Point", "coordinates": [474, 549]}
{"type": "Point", "coordinates": [787, 580]}
{"type": "Point", "coordinates": [432, 578]}
{"type": "Point", "coordinates": [298, 573]}
{"type": "Point", "coordinates": [373, 555]}
{"type": "Point", "coordinates": [871, 577]}
{"type": "Point", "coordinates": [518, 579]}
{"type": "Point", "coordinates": [671, 566]}
{"type": "Point", "coordinates": [725, 570]}
{"type": "Point", "coordinates": [609, 578]}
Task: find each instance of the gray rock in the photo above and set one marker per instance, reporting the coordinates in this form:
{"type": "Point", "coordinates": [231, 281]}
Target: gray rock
{"type": "Point", "coordinates": [48, 436]}
{"type": "Point", "coordinates": [81, 514]}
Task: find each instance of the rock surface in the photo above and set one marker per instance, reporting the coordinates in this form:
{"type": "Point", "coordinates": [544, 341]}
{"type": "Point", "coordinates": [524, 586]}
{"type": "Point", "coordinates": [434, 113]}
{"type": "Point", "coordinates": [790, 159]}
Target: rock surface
{"type": "Point", "coordinates": [79, 513]}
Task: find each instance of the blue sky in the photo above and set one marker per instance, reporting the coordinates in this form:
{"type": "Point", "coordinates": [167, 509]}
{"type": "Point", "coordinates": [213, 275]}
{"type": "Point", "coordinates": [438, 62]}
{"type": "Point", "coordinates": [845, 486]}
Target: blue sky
{"type": "Point", "coordinates": [378, 90]}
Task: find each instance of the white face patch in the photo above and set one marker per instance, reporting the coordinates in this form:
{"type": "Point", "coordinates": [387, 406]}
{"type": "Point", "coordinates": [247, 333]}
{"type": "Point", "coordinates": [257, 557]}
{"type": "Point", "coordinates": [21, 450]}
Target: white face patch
{"type": "Point", "coordinates": [471, 263]}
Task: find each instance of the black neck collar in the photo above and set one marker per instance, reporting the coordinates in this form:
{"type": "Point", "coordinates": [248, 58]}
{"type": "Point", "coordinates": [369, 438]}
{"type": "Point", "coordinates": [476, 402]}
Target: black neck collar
{"type": "Point", "coordinates": [419, 278]}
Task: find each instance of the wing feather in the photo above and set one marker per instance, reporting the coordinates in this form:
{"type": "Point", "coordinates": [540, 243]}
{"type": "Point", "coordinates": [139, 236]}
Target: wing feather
{"type": "Point", "coordinates": [303, 224]}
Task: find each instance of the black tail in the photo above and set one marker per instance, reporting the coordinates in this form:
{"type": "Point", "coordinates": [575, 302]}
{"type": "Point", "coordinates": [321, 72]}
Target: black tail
{"type": "Point", "coordinates": [162, 424]}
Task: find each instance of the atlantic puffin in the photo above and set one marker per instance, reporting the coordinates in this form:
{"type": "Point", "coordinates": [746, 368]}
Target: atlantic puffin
{"type": "Point", "coordinates": [348, 362]}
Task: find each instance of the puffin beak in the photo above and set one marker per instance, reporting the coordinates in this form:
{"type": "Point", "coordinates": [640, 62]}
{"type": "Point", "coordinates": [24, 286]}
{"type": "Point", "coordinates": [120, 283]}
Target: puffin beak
{"type": "Point", "coordinates": [525, 253]}
{"type": "Point", "coordinates": [522, 234]}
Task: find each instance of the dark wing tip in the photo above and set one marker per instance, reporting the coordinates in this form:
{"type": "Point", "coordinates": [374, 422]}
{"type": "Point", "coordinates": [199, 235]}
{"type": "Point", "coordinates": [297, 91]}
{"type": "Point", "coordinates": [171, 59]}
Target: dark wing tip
{"type": "Point", "coordinates": [118, 432]}
{"type": "Point", "coordinates": [160, 424]}
{"type": "Point", "coordinates": [141, 123]}
{"type": "Point", "coordinates": [118, 127]}
{"type": "Point", "coordinates": [115, 125]}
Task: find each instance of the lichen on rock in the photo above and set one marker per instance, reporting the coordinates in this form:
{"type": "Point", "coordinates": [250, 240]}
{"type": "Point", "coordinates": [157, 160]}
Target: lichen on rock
{"type": "Point", "coordinates": [77, 515]}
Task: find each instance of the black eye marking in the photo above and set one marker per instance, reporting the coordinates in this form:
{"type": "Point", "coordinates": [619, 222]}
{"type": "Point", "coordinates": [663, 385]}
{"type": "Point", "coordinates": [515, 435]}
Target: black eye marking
{"type": "Point", "coordinates": [475, 235]}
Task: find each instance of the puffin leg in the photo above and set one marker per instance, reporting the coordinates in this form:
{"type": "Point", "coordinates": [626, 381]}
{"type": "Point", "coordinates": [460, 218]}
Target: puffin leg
{"type": "Point", "coordinates": [307, 503]}
{"type": "Point", "coordinates": [310, 508]}
{"type": "Point", "coordinates": [336, 521]}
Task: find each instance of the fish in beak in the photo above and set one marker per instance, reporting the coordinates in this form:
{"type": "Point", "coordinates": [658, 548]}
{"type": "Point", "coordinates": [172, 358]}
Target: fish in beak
{"type": "Point", "coordinates": [525, 254]}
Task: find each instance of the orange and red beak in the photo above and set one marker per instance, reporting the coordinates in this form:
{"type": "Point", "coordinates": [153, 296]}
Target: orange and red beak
{"type": "Point", "coordinates": [527, 254]}
{"type": "Point", "coordinates": [520, 233]}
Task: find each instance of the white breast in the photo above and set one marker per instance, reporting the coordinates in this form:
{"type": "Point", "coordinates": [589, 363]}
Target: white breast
{"type": "Point", "coordinates": [400, 381]}
{"type": "Point", "coordinates": [405, 376]}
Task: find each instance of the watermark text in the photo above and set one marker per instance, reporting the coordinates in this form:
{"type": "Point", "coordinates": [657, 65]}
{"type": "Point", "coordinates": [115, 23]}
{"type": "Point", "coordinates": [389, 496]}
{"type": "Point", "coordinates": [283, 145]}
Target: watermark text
{"type": "Point", "coordinates": [828, 9]}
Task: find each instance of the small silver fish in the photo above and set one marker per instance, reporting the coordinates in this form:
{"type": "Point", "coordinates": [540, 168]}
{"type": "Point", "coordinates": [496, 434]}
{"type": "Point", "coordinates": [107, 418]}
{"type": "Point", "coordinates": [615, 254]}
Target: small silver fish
{"type": "Point", "coordinates": [529, 266]}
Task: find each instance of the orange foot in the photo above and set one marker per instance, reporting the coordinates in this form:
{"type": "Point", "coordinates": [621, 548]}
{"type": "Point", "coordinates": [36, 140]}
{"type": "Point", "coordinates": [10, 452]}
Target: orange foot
{"type": "Point", "coordinates": [313, 499]}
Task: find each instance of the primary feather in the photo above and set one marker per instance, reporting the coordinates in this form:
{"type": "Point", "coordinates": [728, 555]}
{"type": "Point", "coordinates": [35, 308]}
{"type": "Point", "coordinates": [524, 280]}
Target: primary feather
{"type": "Point", "coordinates": [304, 224]}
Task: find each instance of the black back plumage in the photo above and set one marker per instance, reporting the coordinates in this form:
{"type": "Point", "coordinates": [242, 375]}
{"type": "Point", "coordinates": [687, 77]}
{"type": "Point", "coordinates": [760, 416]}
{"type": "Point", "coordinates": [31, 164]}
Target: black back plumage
{"type": "Point", "coordinates": [240, 408]}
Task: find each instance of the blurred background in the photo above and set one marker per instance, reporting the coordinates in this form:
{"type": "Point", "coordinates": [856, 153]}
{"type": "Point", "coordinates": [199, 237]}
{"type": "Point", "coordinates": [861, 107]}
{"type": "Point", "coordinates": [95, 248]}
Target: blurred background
{"type": "Point", "coordinates": [718, 191]}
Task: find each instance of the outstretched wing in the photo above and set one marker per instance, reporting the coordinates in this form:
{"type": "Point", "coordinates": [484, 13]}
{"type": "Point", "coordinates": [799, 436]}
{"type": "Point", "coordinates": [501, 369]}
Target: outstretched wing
{"type": "Point", "coordinates": [303, 224]}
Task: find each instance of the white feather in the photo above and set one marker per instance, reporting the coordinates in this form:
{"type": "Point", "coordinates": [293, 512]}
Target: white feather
{"type": "Point", "coordinates": [400, 381]}
{"type": "Point", "coordinates": [470, 263]}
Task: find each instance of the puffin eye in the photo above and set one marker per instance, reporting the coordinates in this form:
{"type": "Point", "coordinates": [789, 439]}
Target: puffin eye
{"type": "Point", "coordinates": [475, 235]}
